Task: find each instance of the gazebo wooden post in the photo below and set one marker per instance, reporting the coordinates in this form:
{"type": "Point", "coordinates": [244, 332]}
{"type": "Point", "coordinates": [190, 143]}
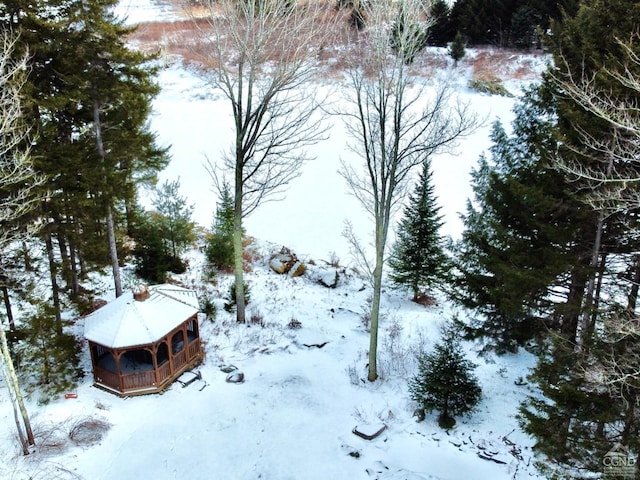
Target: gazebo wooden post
{"type": "Point", "coordinates": [117, 355]}
{"type": "Point", "coordinates": [154, 354]}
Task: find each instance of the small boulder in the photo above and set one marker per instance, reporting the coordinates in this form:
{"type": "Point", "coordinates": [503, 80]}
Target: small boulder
{"type": "Point", "coordinates": [228, 368]}
{"type": "Point", "coordinates": [235, 377]}
{"type": "Point", "coordinates": [297, 270]}
{"type": "Point", "coordinates": [286, 262]}
{"type": "Point", "coordinates": [326, 276]}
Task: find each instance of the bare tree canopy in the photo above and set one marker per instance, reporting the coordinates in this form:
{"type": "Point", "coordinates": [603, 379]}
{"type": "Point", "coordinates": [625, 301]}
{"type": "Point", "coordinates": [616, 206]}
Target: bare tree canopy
{"type": "Point", "coordinates": [612, 176]}
{"type": "Point", "coordinates": [262, 55]}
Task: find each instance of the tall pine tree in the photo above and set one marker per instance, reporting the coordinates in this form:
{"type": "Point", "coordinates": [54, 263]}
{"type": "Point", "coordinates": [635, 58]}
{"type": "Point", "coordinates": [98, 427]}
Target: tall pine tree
{"type": "Point", "coordinates": [521, 230]}
{"type": "Point", "coordinates": [418, 259]}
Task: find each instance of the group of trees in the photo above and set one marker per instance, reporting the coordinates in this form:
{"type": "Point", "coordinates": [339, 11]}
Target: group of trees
{"type": "Point", "coordinates": [75, 149]}
{"type": "Point", "coordinates": [550, 249]}
{"type": "Point", "coordinates": [503, 23]}
{"type": "Point", "coordinates": [550, 252]}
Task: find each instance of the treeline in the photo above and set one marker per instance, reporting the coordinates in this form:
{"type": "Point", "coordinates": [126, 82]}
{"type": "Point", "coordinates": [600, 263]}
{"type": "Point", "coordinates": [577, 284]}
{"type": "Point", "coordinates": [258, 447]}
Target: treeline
{"type": "Point", "coordinates": [85, 99]}
{"type": "Point", "coordinates": [501, 23]}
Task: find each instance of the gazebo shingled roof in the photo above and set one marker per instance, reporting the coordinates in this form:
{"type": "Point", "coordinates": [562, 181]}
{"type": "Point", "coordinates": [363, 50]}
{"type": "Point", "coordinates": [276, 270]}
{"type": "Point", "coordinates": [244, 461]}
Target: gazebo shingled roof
{"type": "Point", "coordinates": [125, 322]}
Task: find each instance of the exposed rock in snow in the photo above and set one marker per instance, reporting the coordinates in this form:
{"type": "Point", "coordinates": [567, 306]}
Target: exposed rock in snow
{"type": "Point", "coordinates": [326, 276]}
{"type": "Point", "coordinates": [287, 262]}
{"type": "Point", "coordinates": [235, 377]}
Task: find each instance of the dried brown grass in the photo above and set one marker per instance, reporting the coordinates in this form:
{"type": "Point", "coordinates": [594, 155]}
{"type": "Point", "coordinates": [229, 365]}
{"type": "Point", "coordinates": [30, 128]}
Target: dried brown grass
{"type": "Point", "coordinates": [184, 39]}
{"type": "Point", "coordinates": [492, 65]}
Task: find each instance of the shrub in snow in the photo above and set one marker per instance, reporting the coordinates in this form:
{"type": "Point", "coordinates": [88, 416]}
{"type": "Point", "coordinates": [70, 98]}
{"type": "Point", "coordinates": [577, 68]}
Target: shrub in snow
{"type": "Point", "coordinates": [230, 303]}
{"type": "Point", "coordinates": [208, 307]}
{"type": "Point", "coordinates": [445, 381]}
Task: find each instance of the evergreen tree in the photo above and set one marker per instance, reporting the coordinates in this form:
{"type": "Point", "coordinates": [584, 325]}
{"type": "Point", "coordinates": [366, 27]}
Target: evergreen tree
{"type": "Point", "coordinates": [150, 251]}
{"type": "Point", "coordinates": [49, 359]}
{"type": "Point", "coordinates": [219, 248]}
{"type": "Point", "coordinates": [523, 27]}
{"type": "Point", "coordinates": [445, 381]}
{"type": "Point", "coordinates": [440, 33]}
{"type": "Point", "coordinates": [408, 37]}
{"type": "Point", "coordinates": [174, 220]}
{"type": "Point", "coordinates": [89, 101]}
{"type": "Point", "coordinates": [582, 415]}
{"type": "Point", "coordinates": [521, 234]}
{"type": "Point", "coordinates": [456, 49]}
{"type": "Point", "coordinates": [418, 260]}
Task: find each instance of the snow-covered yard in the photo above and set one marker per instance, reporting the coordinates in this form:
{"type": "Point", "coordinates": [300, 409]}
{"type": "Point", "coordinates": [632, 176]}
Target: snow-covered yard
{"type": "Point", "coordinates": [293, 416]}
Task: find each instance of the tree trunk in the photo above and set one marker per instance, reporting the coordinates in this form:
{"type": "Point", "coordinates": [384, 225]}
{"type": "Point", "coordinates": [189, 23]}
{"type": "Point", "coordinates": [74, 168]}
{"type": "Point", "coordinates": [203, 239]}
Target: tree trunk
{"type": "Point", "coordinates": [585, 330]}
{"type": "Point", "coordinates": [7, 307]}
{"type": "Point", "coordinates": [26, 257]}
{"type": "Point", "coordinates": [571, 309]}
{"type": "Point", "coordinates": [238, 267]}
{"type": "Point", "coordinates": [632, 299]}
{"type": "Point", "coordinates": [113, 252]}
{"type": "Point", "coordinates": [14, 391]}
{"type": "Point", "coordinates": [238, 262]}
{"type": "Point", "coordinates": [111, 233]}
{"type": "Point", "coordinates": [596, 296]}
{"type": "Point", "coordinates": [53, 273]}
{"type": "Point", "coordinates": [73, 264]}
{"type": "Point", "coordinates": [16, 417]}
{"type": "Point", "coordinates": [375, 319]}
{"type": "Point", "coordinates": [382, 221]}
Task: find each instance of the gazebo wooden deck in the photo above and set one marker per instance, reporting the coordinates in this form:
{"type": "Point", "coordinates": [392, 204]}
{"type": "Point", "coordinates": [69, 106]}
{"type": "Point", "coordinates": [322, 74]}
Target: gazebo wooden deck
{"type": "Point", "coordinates": [144, 340]}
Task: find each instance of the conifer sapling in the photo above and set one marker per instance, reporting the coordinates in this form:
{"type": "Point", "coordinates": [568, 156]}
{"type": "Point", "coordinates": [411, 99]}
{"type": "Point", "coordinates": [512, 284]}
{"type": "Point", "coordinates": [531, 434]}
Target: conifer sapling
{"type": "Point", "coordinates": [445, 381]}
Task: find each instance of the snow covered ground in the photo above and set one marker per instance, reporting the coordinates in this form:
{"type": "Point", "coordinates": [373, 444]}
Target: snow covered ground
{"type": "Point", "coordinates": [293, 416]}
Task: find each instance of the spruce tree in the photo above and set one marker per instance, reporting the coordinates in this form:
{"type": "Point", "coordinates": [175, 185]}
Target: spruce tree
{"type": "Point", "coordinates": [49, 359]}
{"type": "Point", "coordinates": [522, 237]}
{"type": "Point", "coordinates": [456, 49]}
{"type": "Point", "coordinates": [418, 260]}
{"type": "Point", "coordinates": [445, 381]}
{"type": "Point", "coordinates": [150, 250]}
{"type": "Point", "coordinates": [174, 221]}
{"type": "Point", "coordinates": [219, 248]}
{"type": "Point", "coordinates": [440, 32]}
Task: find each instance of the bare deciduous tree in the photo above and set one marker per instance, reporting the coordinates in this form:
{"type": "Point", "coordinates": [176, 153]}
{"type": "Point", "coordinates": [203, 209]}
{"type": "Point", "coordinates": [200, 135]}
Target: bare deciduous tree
{"type": "Point", "coordinates": [20, 193]}
{"type": "Point", "coordinates": [396, 123]}
{"type": "Point", "coordinates": [262, 55]}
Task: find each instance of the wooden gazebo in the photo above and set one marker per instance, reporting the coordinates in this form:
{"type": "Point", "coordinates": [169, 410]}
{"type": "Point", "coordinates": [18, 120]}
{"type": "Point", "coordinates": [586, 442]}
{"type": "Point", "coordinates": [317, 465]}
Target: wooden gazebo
{"type": "Point", "coordinates": [144, 340]}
